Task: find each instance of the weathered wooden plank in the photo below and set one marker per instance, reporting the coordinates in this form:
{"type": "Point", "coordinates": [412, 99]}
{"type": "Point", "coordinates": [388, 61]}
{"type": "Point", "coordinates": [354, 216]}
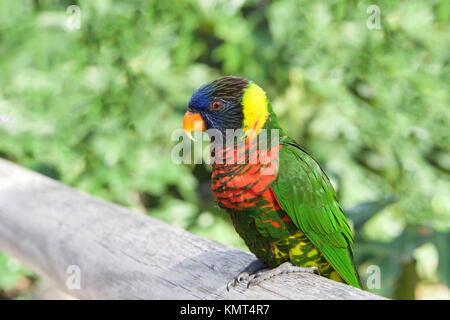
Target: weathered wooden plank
{"type": "Point", "coordinates": [126, 255]}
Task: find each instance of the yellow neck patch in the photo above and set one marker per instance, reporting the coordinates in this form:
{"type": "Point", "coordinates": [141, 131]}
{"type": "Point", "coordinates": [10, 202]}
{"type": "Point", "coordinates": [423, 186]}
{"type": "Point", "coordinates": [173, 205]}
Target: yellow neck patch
{"type": "Point", "coordinates": [255, 108]}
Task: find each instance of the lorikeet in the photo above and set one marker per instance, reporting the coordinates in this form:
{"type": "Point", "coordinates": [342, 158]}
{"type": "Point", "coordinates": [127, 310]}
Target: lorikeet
{"type": "Point", "coordinates": [285, 209]}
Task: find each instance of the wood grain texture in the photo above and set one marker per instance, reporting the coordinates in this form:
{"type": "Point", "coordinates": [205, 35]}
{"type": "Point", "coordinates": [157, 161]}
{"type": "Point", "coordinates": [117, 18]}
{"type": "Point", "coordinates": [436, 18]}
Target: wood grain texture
{"type": "Point", "coordinates": [126, 255]}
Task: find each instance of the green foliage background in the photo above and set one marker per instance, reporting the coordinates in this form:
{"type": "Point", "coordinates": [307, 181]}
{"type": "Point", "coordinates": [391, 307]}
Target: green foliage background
{"type": "Point", "coordinates": [95, 108]}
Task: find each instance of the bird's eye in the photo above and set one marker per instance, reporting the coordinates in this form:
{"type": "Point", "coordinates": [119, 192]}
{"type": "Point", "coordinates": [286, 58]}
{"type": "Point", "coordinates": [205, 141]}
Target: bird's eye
{"type": "Point", "coordinates": [216, 105]}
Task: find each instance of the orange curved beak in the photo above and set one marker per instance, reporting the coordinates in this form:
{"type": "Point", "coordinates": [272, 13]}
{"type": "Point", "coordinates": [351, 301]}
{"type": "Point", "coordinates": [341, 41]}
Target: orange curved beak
{"type": "Point", "coordinates": [193, 122]}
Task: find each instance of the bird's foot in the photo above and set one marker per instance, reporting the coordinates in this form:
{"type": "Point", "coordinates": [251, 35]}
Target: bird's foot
{"type": "Point", "coordinates": [247, 273]}
{"type": "Point", "coordinates": [285, 268]}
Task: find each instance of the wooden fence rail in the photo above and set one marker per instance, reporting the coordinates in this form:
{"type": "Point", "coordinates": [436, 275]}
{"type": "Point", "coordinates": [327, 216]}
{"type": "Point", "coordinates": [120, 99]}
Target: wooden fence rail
{"type": "Point", "coordinates": [61, 233]}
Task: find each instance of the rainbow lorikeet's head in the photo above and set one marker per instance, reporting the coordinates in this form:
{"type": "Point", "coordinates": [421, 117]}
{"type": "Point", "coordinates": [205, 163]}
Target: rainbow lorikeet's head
{"type": "Point", "coordinates": [227, 103]}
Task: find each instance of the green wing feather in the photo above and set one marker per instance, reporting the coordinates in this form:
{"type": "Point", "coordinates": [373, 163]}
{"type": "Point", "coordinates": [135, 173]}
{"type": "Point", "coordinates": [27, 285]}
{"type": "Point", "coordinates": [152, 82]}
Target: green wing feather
{"type": "Point", "coordinates": [307, 196]}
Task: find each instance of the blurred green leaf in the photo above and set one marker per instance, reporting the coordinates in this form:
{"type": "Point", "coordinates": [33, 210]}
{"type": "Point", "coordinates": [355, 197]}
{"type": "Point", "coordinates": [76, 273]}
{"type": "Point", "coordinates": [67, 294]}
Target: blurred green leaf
{"type": "Point", "coordinates": [406, 283]}
{"type": "Point", "coordinates": [441, 241]}
{"type": "Point", "coordinates": [359, 214]}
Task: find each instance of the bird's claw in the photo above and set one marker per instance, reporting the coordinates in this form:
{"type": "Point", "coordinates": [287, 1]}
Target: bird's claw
{"type": "Point", "coordinates": [316, 270]}
{"type": "Point", "coordinates": [258, 278]}
{"type": "Point", "coordinates": [255, 277]}
{"type": "Point", "coordinates": [247, 273]}
{"type": "Point", "coordinates": [282, 269]}
{"type": "Point", "coordinates": [243, 276]}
